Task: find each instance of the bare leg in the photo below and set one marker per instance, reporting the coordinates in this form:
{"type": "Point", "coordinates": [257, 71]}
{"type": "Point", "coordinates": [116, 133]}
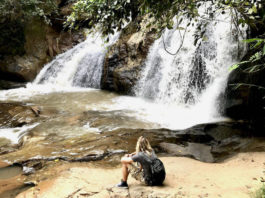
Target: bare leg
{"type": "Point", "coordinates": [125, 171]}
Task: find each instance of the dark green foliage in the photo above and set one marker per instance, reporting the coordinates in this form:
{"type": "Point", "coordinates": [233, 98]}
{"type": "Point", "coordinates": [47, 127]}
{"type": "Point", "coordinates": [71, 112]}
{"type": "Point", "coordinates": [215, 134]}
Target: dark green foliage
{"type": "Point", "coordinates": [108, 15]}
{"type": "Point", "coordinates": [24, 10]}
{"type": "Point", "coordinates": [14, 14]}
{"type": "Point", "coordinates": [256, 54]}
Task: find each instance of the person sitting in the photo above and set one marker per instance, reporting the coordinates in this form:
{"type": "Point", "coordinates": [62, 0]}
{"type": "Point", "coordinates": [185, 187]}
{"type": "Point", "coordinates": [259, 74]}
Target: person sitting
{"type": "Point", "coordinates": [143, 165]}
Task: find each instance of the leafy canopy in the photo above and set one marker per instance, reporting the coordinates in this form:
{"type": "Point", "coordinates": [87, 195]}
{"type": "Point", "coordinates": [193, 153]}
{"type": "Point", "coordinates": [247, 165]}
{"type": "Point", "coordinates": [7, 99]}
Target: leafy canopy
{"type": "Point", "coordinates": [24, 10]}
{"type": "Point", "coordinates": [108, 15]}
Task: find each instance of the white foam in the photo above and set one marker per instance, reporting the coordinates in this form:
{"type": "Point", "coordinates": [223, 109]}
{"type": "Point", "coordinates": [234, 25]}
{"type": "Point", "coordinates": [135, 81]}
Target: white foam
{"type": "Point", "coordinates": [80, 66]}
{"type": "Point", "coordinates": [15, 134]}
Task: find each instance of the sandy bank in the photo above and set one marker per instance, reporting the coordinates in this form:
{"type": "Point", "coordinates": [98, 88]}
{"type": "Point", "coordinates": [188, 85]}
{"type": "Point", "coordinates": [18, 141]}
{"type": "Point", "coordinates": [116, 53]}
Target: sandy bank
{"type": "Point", "coordinates": [236, 177]}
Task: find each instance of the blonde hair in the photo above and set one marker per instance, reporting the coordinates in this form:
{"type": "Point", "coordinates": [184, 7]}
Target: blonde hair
{"type": "Point", "coordinates": [143, 145]}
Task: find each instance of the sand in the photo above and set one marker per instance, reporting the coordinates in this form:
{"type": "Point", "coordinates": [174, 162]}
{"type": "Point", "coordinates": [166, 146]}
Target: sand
{"type": "Point", "coordinates": [236, 177]}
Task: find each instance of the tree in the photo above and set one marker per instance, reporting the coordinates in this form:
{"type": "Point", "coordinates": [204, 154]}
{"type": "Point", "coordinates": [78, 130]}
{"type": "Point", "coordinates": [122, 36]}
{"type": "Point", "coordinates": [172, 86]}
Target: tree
{"type": "Point", "coordinates": [25, 10]}
{"type": "Point", "coordinates": [108, 15]}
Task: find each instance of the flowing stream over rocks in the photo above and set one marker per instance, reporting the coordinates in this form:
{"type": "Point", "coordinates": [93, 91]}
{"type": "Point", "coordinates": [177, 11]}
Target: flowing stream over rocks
{"type": "Point", "coordinates": [175, 91]}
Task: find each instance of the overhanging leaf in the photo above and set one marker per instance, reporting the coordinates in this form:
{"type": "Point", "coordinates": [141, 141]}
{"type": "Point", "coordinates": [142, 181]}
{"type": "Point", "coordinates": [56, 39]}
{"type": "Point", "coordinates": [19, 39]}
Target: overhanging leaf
{"type": "Point", "coordinates": [252, 40]}
{"type": "Point", "coordinates": [233, 67]}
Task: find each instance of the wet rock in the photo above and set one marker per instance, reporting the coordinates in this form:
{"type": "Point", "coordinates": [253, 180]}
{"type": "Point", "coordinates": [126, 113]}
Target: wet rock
{"type": "Point", "coordinates": [92, 156]}
{"type": "Point", "coordinates": [39, 45]}
{"type": "Point", "coordinates": [202, 142]}
{"type": "Point", "coordinates": [220, 141]}
{"type": "Point", "coordinates": [194, 150]}
{"type": "Point", "coordinates": [126, 57]}
{"type": "Point", "coordinates": [25, 66]}
{"type": "Point", "coordinates": [4, 84]}
{"type": "Point", "coordinates": [28, 170]}
{"type": "Point", "coordinates": [16, 115]}
{"type": "Point", "coordinates": [245, 96]}
{"type": "Point", "coordinates": [4, 143]}
{"type": "Point", "coordinates": [60, 41]}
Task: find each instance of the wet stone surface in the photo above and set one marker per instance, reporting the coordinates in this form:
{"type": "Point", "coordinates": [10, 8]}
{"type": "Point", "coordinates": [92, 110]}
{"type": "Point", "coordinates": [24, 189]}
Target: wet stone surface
{"type": "Point", "coordinates": [43, 147]}
{"type": "Point", "coordinates": [17, 114]}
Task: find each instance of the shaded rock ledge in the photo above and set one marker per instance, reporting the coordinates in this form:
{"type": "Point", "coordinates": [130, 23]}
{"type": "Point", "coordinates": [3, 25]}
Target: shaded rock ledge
{"type": "Point", "coordinates": [26, 47]}
{"type": "Point", "coordinates": [126, 57]}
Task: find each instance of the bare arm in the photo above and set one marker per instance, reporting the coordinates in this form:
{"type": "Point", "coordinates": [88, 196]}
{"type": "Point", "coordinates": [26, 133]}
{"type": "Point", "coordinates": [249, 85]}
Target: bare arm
{"type": "Point", "coordinates": [132, 154]}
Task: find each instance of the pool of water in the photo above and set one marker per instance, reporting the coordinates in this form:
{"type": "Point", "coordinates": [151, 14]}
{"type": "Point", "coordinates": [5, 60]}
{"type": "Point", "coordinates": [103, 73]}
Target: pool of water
{"type": "Point", "coordinates": [10, 171]}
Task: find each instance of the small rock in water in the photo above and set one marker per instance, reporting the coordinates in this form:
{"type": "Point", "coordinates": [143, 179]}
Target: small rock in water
{"type": "Point", "coordinates": [28, 170]}
{"type": "Point", "coordinates": [31, 183]}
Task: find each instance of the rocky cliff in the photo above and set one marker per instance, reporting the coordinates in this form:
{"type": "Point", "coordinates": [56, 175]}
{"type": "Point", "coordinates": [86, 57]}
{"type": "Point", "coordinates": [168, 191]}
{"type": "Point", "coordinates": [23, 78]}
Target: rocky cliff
{"type": "Point", "coordinates": [245, 94]}
{"type": "Point", "coordinates": [25, 48]}
{"type": "Point", "coordinates": [126, 57]}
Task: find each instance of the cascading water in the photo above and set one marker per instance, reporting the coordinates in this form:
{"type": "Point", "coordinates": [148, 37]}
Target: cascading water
{"type": "Point", "coordinates": [80, 66]}
{"type": "Point", "coordinates": [197, 73]}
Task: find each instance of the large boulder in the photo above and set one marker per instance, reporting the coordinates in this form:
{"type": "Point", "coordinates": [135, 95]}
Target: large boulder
{"type": "Point", "coordinates": [25, 65]}
{"type": "Point", "coordinates": [31, 46]}
{"type": "Point", "coordinates": [126, 57]}
{"type": "Point", "coordinates": [5, 84]}
{"type": "Point", "coordinates": [245, 95]}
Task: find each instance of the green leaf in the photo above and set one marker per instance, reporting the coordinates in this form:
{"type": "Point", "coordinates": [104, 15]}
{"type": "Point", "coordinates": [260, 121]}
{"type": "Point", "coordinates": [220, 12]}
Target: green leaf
{"type": "Point", "coordinates": [264, 50]}
{"type": "Point", "coordinates": [252, 40]}
{"type": "Point", "coordinates": [233, 67]}
{"type": "Point", "coordinates": [254, 8]}
{"type": "Point", "coordinates": [241, 21]}
{"type": "Point", "coordinates": [257, 44]}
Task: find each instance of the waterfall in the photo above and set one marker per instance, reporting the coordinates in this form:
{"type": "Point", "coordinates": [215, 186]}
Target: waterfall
{"type": "Point", "coordinates": [80, 66]}
{"type": "Point", "coordinates": [197, 73]}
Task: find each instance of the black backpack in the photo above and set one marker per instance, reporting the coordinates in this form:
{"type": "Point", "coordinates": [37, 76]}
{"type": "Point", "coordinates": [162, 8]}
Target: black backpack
{"type": "Point", "coordinates": [158, 173]}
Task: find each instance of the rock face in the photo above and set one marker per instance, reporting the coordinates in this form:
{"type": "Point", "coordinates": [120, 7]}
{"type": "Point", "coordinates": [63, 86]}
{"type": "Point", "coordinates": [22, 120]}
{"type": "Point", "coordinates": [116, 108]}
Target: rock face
{"type": "Point", "coordinates": [5, 84]}
{"type": "Point", "coordinates": [32, 45]}
{"type": "Point", "coordinates": [25, 66]}
{"type": "Point", "coordinates": [245, 95]}
{"type": "Point", "coordinates": [125, 58]}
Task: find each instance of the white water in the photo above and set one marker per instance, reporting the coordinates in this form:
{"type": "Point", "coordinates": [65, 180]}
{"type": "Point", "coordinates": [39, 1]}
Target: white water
{"type": "Point", "coordinates": [80, 66]}
{"type": "Point", "coordinates": [174, 92]}
{"type": "Point", "coordinates": [14, 134]}
{"type": "Point", "coordinates": [191, 80]}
